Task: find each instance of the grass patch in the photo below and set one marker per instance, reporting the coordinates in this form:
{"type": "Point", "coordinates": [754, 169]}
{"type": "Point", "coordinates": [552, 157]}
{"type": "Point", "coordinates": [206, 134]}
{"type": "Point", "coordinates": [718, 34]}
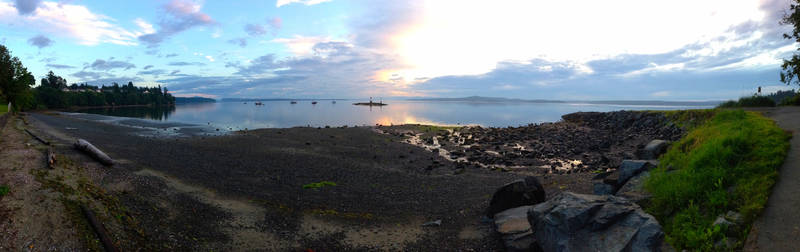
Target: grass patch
{"type": "Point", "coordinates": [689, 119]}
{"type": "Point", "coordinates": [729, 162]}
{"type": "Point", "coordinates": [318, 185]}
{"type": "Point", "coordinates": [4, 190]}
{"type": "Point", "coordinates": [752, 101]}
{"type": "Point", "coordinates": [3, 109]}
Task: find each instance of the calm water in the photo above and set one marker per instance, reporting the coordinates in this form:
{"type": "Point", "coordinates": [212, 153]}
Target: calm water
{"type": "Point", "coordinates": [282, 114]}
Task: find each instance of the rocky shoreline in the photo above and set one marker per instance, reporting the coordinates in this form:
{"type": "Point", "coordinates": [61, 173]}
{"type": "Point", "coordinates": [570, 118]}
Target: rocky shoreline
{"type": "Point", "coordinates": [581, 142]}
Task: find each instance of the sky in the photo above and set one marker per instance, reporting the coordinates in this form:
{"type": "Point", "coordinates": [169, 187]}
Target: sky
{"type": "Point", "coordinates": [567, 50]}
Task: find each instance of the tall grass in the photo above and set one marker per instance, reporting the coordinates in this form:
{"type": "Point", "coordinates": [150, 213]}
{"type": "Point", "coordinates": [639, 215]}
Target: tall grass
{"type": "Point", "coordinates": [727, 163]}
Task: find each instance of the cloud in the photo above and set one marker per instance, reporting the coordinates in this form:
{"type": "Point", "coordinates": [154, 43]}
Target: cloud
{"type": "Point", "coordinates": [256, 30]}
{"type": "Point", "coordinates": [209, 58]}
{"type": "Point", "coordinates": [147, 67]}
{"type": "Point", "coordinates": [70, 20]}
{"type": "Point", "coordinates": [25, 7]}
{"type": "Point", "coordinates": [331, 69]}
{"type": "Point", "coordinates": [242, 42]}
{"type": "Point", "coordinates": [87, 75]}
{"type": "Point", "coordinates": [301, 45]}
{"type": "Point", "coordinates": [260, 65]}
{"type": "Point", "coordinates": [179, 15]}
{"type": "Point", "coordinates": [155, 72]}
{"type": "Point", "coordinates": [171, 55]}
{"type": "Point", "coordinates": [40, 41]}
{"type": "Point", "coordinates": [280, 3]}
{"type": "Point", "coordinates": [103, 65]}
{"type": "Point", "coordinates": [181, 63]}
{"type": "Point", "coordinates": [58, 66]}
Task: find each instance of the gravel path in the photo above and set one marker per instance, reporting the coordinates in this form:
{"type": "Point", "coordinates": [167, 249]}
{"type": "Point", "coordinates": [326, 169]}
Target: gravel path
{"type": "Point", "coordinates": [778, 227]}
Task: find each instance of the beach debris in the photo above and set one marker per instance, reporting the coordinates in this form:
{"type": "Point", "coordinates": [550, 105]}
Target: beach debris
{"type": "Point", "coordinates": [45, 142]}
{"type": "Point", "coordinates": [521, 192]}
{"type": "Point", "coordinates": [99, 229]}
{"type": "Point", "coordinates": [96, 153]}
{"type": "Point", "coordinates": [51, 159]}
{"type": "Point", "coordinates": [435, 223]}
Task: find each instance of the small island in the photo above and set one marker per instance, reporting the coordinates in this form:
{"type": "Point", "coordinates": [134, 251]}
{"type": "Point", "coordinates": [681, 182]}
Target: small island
{"type": "Point", "coordinates": [370, 103]}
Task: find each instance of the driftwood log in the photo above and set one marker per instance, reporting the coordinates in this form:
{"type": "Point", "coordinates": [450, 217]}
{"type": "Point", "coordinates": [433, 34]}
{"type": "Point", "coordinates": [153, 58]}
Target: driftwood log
{"type": "Point", "coordinates": [98, 227]}
{"type": "Point", "coordinates": [96, 153]}
{"type": "Point", "coordinates": [51, 159]}
{"type": "Point", "coordinates": [45, 142]}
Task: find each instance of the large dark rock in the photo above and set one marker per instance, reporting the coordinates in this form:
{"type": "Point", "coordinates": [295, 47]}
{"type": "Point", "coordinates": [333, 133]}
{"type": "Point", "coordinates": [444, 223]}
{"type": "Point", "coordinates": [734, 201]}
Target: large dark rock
{"type": "Point", "coordinates": [634, 189]}
{"type": "Point", "coordinates": [522, 192]}
{"type": "Point", "coordinates": [630, 168]}
{"type": "Point", "coordinates": [580, 222]}
{"type": "Point", "coordinates": [654, 149]}
{"type": "Point", "coordinates": [514, 228]}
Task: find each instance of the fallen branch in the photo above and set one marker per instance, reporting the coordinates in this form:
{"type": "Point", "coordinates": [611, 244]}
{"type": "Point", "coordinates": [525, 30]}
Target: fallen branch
{"type": "Point", "coordinates": [51, 159]}
{"type": "Point", "coordinates": [96, 153]}
{"type": "Point", "coordinates": [37, 138]}
{"type": "Point", "coordinates": [99, 229]}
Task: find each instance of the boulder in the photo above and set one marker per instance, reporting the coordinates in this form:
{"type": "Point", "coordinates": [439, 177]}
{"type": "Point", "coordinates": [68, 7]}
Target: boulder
{"type": "Point", "coordinates": [521, 192]}
{"type": "Point", "coordinates": [634, 189]}
{"type": "Point", "coordinates": [601, 188]}
{"type": "Point", "coordinates": [514, 228]}
{"type": "Point", "coordinates": [630, 168]}
{"type": "Point", "coordinates": [581, 222]}
{"type": "Point", "coordinates": [654, 149]}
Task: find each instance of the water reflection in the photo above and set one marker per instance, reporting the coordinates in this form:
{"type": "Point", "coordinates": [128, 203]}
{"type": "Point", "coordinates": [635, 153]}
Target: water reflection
{"type": "Point", "coordinates": [281, 114]}
{"type": "Point", "coordinates": [160, 113]}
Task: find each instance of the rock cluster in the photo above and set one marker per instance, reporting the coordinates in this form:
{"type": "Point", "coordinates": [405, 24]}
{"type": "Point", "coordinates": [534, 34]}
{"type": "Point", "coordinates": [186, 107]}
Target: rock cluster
{"type": "Point", "coordinates": [580, 222]}
{"type": "Point", "coordinates": [522, 192]}
{"type": "Point", "coordinates": [570, 221]}
{"type": "Point", "coordinates": [596, 140]}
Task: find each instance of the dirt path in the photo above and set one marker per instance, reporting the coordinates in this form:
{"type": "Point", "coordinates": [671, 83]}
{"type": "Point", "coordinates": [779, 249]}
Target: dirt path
{"type": "Point", "coordinates": [778, 227]}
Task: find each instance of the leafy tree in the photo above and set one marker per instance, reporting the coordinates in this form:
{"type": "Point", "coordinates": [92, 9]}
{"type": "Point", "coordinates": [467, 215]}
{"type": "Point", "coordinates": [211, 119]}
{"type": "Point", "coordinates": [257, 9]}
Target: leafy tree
{"type": "Point", "coordinates": [15, 80]}
{"type": "Point", "coordinates": [791, 67]}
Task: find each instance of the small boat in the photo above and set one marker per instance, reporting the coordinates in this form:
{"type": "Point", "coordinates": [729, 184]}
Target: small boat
{"type": "Point", "coordinates": [314, 102]}
{"type": "Point", "coordinates": [334, 102]}
{"type": "Point", "coordinates": [293, 102]}
{"type": "Point", "coordinates": [259, 103]}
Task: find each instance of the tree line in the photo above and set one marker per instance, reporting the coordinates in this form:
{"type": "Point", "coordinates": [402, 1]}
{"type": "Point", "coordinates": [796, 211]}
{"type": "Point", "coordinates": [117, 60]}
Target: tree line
{"type": "Point", "coordinates": [16, 87]}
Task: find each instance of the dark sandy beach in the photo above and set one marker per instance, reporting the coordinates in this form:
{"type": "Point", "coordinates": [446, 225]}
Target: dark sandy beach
{"type": "Point", "coordinates": [245, 190]}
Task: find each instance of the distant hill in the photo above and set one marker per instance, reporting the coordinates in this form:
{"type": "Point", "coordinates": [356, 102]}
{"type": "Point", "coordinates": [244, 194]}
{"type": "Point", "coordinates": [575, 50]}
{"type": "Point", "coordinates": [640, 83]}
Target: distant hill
{"type": "Point", "coordinates": [482, 99]}
{"type": "Point", "coordinates": [196, 99]}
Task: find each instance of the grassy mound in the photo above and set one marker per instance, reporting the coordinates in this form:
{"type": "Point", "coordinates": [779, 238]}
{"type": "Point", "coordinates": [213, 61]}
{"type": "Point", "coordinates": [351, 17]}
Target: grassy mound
{"type": "Point", "coordinates": [729, 162]}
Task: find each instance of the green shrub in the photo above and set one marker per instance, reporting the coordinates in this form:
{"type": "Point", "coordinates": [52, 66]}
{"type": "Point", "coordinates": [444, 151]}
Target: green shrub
{"type": "Point", "coordinates": [752, 101]}
{"type": "Point", "coordinates": [4, 190]}
{"type": "Point", "coordinates": [318, 185]}
{"type": "Point", "coordinates": [791, 101]}
{"type": "Point", "coordinates": [727, 163]}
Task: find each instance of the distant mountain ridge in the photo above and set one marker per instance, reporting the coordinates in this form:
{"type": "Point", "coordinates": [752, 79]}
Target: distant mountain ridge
{"type": "Point", "coordinates": [604, 102]}
{"type": "Point", "coordinates": [195, 99]}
